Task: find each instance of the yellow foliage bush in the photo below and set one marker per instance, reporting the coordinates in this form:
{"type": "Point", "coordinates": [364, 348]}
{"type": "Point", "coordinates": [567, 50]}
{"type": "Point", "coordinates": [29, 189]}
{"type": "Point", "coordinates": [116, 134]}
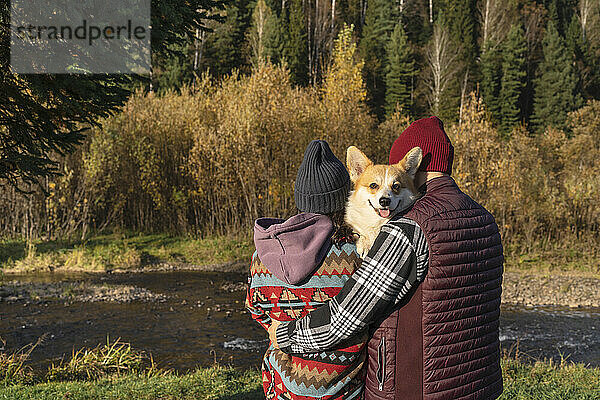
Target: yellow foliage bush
{"type": "Point", "coordinates": [214, 159]}
{"type": "Point", "coordinates": [133, 168]}
{"type": "Point", "coordinates": [580, 159]}
{"type": "Point", "coordinates": [538, 187]}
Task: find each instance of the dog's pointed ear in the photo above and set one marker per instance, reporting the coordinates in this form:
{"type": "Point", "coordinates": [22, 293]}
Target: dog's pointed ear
{"type": "Point", "coordinates": [411, 161]}
{"type": "Point", "coordinates": [357, 162]}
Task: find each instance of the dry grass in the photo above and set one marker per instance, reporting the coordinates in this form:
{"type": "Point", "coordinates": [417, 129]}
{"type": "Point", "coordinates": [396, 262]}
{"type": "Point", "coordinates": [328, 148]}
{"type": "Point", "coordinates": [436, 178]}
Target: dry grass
{"type": "Point", "coordinates": [120, 252]}
{"type": "Point", "coordinates": [111, 359]}
{"type": "Point", "coordinates": [13, 367]}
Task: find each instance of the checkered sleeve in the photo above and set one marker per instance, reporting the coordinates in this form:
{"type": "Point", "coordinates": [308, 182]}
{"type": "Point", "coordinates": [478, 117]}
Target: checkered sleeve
{"type": "Point", "coordinates": [396, 262]}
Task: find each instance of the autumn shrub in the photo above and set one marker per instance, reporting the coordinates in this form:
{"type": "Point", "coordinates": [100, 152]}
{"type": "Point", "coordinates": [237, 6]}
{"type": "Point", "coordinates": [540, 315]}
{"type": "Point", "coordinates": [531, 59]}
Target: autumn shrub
{"type": "Point", "coordinates": [477, 147]}
{"type": "Point", "coordinates": [580, 158]}
{"type": "Point", "coordinates": [214, 159]}
{"type": "Point", "coordinates": [387, 132]}
{"type": "Point", "coordinates": [243, 157]}
{"type": "Point", "coordinates": [134, 166]}
{"type": "Point", "coordinates": [509, 177]}
{"type": "Point", "coordinates": [540, 188]}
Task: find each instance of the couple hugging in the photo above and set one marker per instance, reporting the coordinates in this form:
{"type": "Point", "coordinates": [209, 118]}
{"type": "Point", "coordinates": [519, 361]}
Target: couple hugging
{"type": "Point", "coordinates": [409, 309]}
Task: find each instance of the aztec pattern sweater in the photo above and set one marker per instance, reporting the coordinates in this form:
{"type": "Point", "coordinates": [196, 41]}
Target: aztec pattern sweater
{"type": "Point", "coordinates": [333, 374]}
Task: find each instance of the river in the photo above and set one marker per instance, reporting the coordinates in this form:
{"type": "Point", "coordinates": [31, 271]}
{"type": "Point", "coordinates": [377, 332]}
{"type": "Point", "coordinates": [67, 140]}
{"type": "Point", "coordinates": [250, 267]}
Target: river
{"type": "Point", "coordinates": [201, 318]}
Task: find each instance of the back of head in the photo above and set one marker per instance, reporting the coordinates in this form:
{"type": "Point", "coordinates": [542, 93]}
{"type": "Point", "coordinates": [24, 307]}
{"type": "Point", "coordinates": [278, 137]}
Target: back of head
{"type": "Point", "coordinates": [429, 135]}
{"type": "Point", "coordinates": [323, 183]}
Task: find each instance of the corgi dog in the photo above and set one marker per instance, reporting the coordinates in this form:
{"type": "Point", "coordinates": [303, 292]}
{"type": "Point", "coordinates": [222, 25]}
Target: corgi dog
{"type": "Point", "coordinates": [379, 193]}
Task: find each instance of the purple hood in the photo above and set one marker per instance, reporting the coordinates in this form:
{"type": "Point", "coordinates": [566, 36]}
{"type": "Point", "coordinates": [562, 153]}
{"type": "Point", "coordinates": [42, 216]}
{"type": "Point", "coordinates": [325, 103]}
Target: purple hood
{"type": "Point", "coordinates": [293, 249]}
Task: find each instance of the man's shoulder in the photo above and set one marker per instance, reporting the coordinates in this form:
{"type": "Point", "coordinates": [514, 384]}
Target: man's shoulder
{"type": "Point", "coordinates": [439, 204]}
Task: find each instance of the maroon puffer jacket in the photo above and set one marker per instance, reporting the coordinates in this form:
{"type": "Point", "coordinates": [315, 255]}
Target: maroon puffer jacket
{"type": "Point", "coordinates": [443, 344]}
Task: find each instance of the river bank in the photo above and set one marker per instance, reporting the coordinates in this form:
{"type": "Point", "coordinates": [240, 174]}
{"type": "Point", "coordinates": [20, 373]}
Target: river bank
{"type": "Point", "coordinates": [530, 289]}
{"type": "Point", "coordinates": [561, 277]}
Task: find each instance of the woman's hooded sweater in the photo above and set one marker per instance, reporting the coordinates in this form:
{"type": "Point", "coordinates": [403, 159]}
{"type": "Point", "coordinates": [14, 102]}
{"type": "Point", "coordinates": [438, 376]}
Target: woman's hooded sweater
{"type": "Point", "coordinates": [294, 270]}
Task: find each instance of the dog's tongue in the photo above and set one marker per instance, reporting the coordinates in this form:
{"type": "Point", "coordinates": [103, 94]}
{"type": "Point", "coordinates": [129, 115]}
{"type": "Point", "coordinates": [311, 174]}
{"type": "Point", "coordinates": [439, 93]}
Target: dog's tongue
{"type": "Point", "coordinates": [383, 213]}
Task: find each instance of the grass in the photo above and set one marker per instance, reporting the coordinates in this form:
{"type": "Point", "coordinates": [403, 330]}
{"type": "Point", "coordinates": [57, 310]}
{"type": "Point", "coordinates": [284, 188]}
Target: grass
{"type": "Point", "coordinates": [112, 358]}
{"type": "Point", "coordinates": [133, 251]}
{"type": "Point", "coordinates": [547, 380]}
{"type": "Point", "coordinates": [541, 380]}
{"type": "Point", "coordinates": [116, 371]}
{"type": "Point", "coordinates": [13, 367]}
{"type": "Point", "coordinates": [572, 257]}
{"type": "Point", "coordinates": [119, 251]}
{"type": "Point", "coordinates": [209, 383]}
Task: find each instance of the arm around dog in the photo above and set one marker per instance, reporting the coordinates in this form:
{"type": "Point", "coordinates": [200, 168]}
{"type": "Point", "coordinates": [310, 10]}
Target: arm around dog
{"type": "Point", "coordinates": [395, 264]}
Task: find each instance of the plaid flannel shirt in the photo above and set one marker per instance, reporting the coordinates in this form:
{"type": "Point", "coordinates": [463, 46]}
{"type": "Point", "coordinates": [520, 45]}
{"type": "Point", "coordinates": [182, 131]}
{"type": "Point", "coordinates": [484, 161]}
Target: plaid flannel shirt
{"type": "Point", "coordinates": [396, 263]}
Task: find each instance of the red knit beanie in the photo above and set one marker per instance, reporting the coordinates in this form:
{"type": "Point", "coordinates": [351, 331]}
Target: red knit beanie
{"type": "Point", "coordinates": [429, 135]}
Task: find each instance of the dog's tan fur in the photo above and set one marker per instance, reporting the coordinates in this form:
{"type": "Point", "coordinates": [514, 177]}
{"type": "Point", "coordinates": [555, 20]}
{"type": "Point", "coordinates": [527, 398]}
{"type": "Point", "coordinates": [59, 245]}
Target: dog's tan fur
{"type": "Point", "coordinates": [364, 213]}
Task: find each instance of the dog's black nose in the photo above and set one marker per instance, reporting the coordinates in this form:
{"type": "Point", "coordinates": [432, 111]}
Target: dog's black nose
{"type": "Point", "coordinates": [384, 201]}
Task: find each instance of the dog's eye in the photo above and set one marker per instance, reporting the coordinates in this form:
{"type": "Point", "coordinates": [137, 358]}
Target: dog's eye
{"type": "Point", "coordinates": [396, 187]}
{"type": "Point", "coordinates": [374, 186]}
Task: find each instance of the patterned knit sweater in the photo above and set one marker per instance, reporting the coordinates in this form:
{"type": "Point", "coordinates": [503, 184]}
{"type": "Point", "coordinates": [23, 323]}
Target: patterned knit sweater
{"type": "Point", "coordinates": [332, 374]}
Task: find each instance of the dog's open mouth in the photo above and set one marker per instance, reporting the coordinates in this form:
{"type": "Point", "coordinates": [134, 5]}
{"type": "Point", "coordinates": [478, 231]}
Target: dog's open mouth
{"type": "Point", "coordinates": [383, 212]}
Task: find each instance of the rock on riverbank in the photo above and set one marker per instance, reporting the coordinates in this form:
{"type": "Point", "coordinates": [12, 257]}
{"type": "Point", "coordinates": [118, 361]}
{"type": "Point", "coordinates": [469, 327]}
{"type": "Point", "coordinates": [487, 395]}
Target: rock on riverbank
{"type": "Point", "coordinates": [74, 291]}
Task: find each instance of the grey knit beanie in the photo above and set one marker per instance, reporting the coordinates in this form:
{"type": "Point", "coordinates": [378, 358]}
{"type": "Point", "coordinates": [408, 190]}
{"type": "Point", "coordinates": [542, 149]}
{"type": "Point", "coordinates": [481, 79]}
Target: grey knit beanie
{"type": "Point", "coordinates": [322, 184]}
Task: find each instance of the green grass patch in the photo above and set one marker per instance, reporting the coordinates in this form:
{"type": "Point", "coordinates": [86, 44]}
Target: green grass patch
{"type": "Point", "coordinates": [541, 380]}
{"type": "Point", "coordinates": [209, 383]}
{"type": "Point", "coordinates": [119, 251]}
{"type": "Point", "coordinates": [551, 381]}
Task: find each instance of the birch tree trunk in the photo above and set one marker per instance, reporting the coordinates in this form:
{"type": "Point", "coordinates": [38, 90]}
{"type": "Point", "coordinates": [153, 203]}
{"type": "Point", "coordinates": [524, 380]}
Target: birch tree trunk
{"type": "Point", "coordinates": [495, 22]}
{"type": "Point", "coordinates": [332, 15]}
{"type": "Point", "coordinates": [588, 12]}
{"type": "Point", "coordinates": [441, 67]}
{"type": "Point", "coordinates": [431, 11]}
{"type": "Point", "coordinates": [584, 15]}
{"type": "Point", "coordinates": [463, 95]}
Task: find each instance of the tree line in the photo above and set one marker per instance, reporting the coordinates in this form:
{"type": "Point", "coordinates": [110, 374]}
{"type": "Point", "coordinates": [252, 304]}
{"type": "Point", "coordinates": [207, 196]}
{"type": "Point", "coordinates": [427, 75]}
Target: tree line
{"type": "Point", "coordinates": [239, 88]}
{"type": "Point", "coordinates": [531, 61]}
